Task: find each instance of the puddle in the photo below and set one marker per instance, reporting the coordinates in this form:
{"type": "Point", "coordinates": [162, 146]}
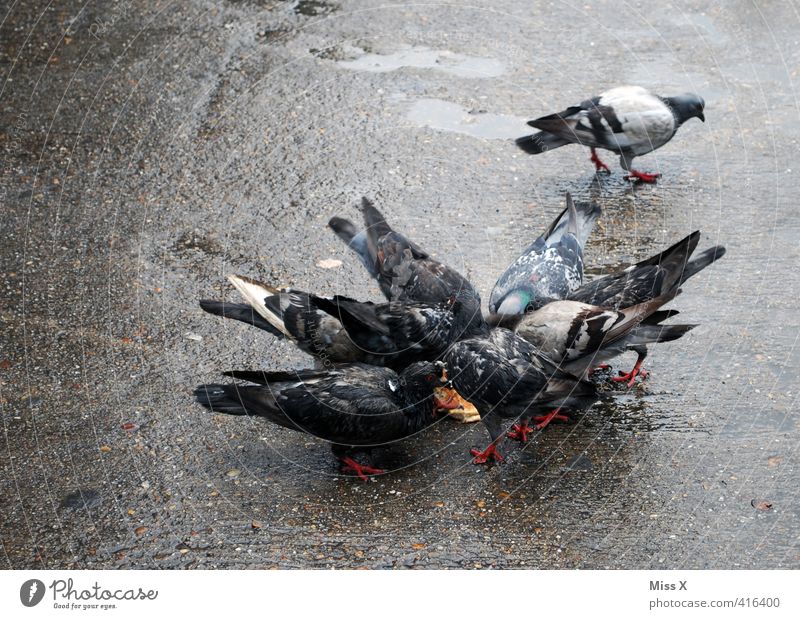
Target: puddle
{"type": "Point", "coordinates": [448, 116]}
{"type": "Point", "coordinates": [426, 58]}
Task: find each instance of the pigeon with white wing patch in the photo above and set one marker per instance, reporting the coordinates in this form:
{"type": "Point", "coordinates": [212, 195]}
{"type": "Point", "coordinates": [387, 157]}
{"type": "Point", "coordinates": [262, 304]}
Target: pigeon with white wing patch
{"type": "Point", "coordinates": [627, 120]}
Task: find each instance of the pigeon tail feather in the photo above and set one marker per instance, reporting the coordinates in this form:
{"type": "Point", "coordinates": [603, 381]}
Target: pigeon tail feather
{"type": "Point", "coordinates": [539, 143]}
{"type": "Point", "coordinates": [241, 312]}
{"type": "Point", "coordinates": [702, 260]}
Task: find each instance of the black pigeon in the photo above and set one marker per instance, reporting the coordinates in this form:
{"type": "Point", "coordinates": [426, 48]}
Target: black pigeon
{"type": "Point", "coordinates": [551, 267]}
{"type": "Point", "coordinates": [649, 278]}
{"type": "Point", "coordinates": [354, 407]}
{"type": "Point", "coordinates": [403, 333]}
{"type": "Point", "coordinates": [342, 330]}
{"type": "Point", "coordinates": [627, 120]}
{"type": "Point", "coordinates": [404, 271]}
{"type": "Point", "coordinates": [507, 378]}
{"type": "Point", "coordinates": [292, 315]}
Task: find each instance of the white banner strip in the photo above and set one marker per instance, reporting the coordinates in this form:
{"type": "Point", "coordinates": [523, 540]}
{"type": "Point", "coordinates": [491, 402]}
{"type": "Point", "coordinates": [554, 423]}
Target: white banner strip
{"type": "Point", "coordinates": [401, 594]}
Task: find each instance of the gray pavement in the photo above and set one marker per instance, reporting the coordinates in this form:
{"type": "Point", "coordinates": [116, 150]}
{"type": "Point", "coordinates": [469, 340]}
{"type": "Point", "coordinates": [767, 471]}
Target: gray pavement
{"type": "Point", "coordinates": [149, 149]}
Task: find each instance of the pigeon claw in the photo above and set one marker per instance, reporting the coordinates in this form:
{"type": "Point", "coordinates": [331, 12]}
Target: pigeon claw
{"type": "Point", "coordinates": [542, 421]}
{"type": "Point", "coordinates": [644, 177]}
{"type": "Point", "coordinates": [630, 377]}
{"type": "Point", "coordinates": [519, 432]}
{"type": "Point", "coordinates": [598, 163]}
{"type": "Point", "coordinates": [362, 470]}
{"type": "Point", "coordinates": [482, 457]}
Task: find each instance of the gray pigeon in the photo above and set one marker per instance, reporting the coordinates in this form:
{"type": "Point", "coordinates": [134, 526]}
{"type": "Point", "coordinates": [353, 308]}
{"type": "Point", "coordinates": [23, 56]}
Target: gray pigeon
{"type": "Point", "coordinates": [579, 336]}
{"type": "Point", "coordinates": [551, 267]}
{"type": "Point", "coordinates": [627, 120]}
{"type": "Point", "coordinates": [646, 280]}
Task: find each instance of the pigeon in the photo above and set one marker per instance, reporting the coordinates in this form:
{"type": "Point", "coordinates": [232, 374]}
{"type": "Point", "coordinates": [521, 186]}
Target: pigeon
{"type": "Point", "coordinates": [627, 120]}
{"type": "Point", "coordinates": [404, 333]}
{"type": "Point", "coordinates": [354, 406]}
{"type": "Point", "coordinates": [507, 378]}
{"type": "Point", "coordinates": [660, 275]}
{"type": "Point", "coordinates": [578, 336]}
{"type": "Point", "coordinates": [649, 278]}
{"type": "Point", "coordinates": [645, 281]}
{"type": "Point", "coordinates": [343, 330]}
{"type": "Point", "coordinates": [404, 271]}
{"type": "Point", "coordinates": [292, 315]}
{"type": "Point", "coordinates": [551, 267]}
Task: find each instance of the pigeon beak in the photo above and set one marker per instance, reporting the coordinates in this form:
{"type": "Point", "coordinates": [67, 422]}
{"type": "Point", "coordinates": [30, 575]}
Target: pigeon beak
{"type": "Point", "coordinates": [701, 117]}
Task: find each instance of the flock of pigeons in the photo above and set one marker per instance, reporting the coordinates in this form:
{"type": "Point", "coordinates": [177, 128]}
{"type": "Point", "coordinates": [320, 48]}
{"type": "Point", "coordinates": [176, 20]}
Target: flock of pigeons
{"type": "Point", "coordinates": [386, 370]}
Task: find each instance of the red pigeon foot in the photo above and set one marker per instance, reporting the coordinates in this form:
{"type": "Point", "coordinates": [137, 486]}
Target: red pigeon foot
{"type": "Point", "coordinates": [362, 470]}
{"type": "Point", "coordinates": [519, 432]}
{"type": "Point", "coordinates": [598, 164]}
{"type": "Point", "coordinates": [544, 420]}
{"type": "Point", "coordinates": [482, 457]}
{"type": "Point", "coordinates": [630, 377]}
{"type": "Point", "coordinates": [645, 177]}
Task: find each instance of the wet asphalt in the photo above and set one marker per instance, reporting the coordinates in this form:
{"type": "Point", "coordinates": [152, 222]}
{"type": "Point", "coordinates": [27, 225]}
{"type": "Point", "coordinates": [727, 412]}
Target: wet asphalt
{"type": "Point", "coordinates": [150, 149]}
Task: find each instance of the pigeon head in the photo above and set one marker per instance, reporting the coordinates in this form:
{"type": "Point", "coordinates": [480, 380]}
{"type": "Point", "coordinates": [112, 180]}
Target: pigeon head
{"type": "Point", "coordinates": [425, 384]}
{"type": "Point", "coordinates": [687, 106]}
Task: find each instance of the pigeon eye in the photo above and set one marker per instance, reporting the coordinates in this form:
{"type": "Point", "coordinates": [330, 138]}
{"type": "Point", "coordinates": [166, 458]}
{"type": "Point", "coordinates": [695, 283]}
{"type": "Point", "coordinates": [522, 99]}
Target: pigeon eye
{"type": "Point", "coordinates": [429, 378]}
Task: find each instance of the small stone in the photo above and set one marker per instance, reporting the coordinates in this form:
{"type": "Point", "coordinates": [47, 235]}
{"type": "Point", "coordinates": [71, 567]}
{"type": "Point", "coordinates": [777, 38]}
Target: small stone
{"type": "Point", "coordinates": [194, 337]}
{"type": "Point", "coordinates": [255, 524]}
{"type": "Point", "coordinates": [329, 263]}
{"type": "Point", "coordinates": [233, 473]}
{"type": "Point", "coordinates": [105, 449]}
{"type": "Point", "coordinates": [139, 531]}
